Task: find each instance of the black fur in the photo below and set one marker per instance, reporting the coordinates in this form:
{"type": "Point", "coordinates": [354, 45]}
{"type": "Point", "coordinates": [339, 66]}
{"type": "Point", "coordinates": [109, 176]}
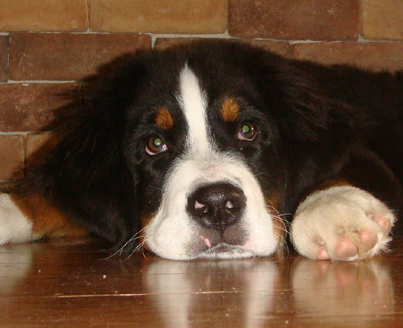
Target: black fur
{"type": "Point", "coordinates": [316, 123]}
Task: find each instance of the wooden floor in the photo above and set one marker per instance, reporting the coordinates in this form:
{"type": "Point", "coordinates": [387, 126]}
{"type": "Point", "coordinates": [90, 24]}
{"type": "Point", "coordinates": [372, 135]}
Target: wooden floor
{"type": "Point", "coordinates": [71, 283]}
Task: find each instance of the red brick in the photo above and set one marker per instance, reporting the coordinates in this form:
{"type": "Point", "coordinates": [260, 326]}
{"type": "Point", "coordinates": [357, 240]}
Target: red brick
{"type": "Point", "coordinates": [11, 156]}
{"type": "Point", "coordinates": [159, 16]}
{"type": "Point", "coordinates": [295, 20]}
{"type": "Point", "coordinates": [43, 15]}
{"type": "Point", "coordinates": [280, 47]}
{"type": "Point", "coordinates": [34, 141]}
{"type": "Point", "coordinates": [382, 19]}
{"type": "Point", "coordinates": [164, 43]}
{"type": "Point", "coordinates": [27, 107]}
{"type": "Point", "coordinates": [374, 56]}
{"type": "Point", "coordinates": [37, 56]}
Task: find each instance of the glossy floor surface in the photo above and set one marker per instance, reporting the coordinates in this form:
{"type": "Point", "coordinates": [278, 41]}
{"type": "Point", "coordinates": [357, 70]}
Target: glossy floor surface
{"type": "Point", "coordinates": [71, 283]}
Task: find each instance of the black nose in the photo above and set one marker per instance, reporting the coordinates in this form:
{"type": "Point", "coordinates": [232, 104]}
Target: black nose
{"type": "Point", "coordinates": [217, 205]}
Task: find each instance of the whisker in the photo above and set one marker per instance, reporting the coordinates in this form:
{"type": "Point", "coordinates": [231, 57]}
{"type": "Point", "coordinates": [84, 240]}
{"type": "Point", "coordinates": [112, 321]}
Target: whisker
{"type": "Point", "coordinates": [282, 245]}
{"type": "Point", "coordinates": [132, 239]}
{"type": "Point", "coordinates": [157, 188]}
{"type": "Point", "coordinates": [138, 247]}
{"type": "Point", "coordinates": [283, 229]}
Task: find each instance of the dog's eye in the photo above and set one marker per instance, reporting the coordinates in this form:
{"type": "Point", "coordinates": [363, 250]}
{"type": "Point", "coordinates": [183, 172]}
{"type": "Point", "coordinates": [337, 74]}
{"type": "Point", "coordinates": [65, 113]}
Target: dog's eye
{"type": "Point", "coordinates": [247, 132]}
{"type": "Point", "coordinates": [155, 146]}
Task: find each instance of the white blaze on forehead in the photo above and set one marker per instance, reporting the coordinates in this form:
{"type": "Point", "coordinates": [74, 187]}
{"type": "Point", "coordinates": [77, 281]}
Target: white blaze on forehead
{"type": "Point", "coordinates": [193, 103]}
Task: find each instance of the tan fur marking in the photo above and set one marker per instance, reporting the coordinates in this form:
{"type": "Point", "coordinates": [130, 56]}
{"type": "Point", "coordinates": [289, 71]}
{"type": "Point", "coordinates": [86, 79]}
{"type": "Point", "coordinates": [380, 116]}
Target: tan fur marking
{"type": "Point", "coordinates": [279, 227]}
{"type": "Point", "coordinates": [47, 220]}
{"type": "Point", "coordinates": [332, 183]}
{"type": "Point", "coordinates": [164, 119]}
{"type": "Point", "coordinates": [145, 221]}
{"type": "Point", "coordinates": [230, 110]}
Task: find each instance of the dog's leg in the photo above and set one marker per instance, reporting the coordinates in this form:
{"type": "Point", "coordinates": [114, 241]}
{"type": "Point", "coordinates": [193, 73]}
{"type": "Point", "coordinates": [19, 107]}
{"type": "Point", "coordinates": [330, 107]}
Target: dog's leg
{"type": "Point", "coordinates": [24, 219]}
{"type": "Point", "coordinates": [341, 223]}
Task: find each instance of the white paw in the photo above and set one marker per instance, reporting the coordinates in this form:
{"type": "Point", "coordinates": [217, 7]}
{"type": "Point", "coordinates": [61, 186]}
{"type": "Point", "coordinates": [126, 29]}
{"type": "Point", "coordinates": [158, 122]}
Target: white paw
{"type": "Point", "coordinates": [14, 226]}
{"type": "Point", "coordinates": [341, 223]}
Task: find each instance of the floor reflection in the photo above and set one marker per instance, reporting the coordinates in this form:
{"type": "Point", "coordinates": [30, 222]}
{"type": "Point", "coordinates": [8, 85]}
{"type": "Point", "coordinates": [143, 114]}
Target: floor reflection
{"type": "Point", "coordinates": [15, 262]}
{"type": "Point", "coordinates": [342, 288]}
{"type": "Point", "coordinates": [182, 290]}
{"type": "Point", "coordinates": [256, 292]}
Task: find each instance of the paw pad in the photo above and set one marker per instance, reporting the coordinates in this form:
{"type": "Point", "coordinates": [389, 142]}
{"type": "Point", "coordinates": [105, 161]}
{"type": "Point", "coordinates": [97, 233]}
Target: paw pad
{"type": "Point", "coordinates": [346, 249]}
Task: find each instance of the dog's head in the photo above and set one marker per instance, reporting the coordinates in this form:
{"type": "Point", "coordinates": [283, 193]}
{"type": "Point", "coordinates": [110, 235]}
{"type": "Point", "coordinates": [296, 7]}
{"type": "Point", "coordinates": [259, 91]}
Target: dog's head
{"type": "Point", "coordinates": [206, 156]}
{"type": "Point", "coordinates": [192, 150]}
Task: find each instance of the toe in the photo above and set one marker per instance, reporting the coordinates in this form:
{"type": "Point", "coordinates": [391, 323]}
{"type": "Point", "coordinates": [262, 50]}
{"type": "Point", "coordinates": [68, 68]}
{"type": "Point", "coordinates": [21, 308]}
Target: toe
{"type": "Point", "coordinates": [384, 222]}
{"type": "Point", "coordinates": [346, 249]}
{"type": "Point", "coordinates": [368, 240]}
{"type": "Point", "coordinates": [323, 254]}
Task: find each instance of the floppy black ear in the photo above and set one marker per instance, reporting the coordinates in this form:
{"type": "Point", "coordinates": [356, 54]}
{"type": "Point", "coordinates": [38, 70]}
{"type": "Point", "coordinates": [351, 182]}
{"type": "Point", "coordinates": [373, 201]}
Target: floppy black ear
{"type": "Point", "coordinates": [86, 175]}
{"type": "Point", "coordinates": [304, 108]}
{"type": "Point", "coordinates": [317, 129]}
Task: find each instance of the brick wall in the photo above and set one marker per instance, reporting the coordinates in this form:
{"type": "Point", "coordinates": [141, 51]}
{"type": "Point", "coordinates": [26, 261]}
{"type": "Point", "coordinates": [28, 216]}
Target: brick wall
{"type": "Point", "coordinates": [46, 45]}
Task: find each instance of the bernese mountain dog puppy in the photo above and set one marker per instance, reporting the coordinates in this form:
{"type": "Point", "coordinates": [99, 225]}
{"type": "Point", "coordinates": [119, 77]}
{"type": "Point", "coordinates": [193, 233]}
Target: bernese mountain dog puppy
{"type": "Point", "coordinates": [214, 150]}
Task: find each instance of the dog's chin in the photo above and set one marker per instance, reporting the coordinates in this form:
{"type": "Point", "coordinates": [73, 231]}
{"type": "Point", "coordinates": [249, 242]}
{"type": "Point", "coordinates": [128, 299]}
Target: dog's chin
{"type": "Point", "coordinates": [225, 251]}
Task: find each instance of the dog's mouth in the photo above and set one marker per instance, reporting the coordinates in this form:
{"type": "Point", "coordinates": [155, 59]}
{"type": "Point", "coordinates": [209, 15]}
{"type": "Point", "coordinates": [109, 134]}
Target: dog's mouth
{"type": "Point", "coordinates": [226, 251]}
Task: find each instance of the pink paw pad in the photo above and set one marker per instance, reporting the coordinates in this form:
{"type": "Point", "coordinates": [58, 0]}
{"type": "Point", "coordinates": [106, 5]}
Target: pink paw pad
{"type": "Point", "coordinates": [368, 240]}
{"type": "Point", "coordinates": [323, 254]}
{"type": "Point", "coordinates": [384, 222]}
{"type": "Point", "coordinates": [346, 249]}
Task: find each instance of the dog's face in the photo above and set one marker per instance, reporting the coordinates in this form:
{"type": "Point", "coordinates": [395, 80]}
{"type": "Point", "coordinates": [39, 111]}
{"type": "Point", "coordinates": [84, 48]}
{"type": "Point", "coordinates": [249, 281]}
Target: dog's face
{"type": "Point", "coordinates": [208, 159]}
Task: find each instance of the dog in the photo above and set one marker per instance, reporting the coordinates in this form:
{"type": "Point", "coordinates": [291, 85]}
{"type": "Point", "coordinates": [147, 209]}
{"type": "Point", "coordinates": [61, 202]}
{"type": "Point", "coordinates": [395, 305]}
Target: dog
{"type": "Point", "coordinates": [215, 149]}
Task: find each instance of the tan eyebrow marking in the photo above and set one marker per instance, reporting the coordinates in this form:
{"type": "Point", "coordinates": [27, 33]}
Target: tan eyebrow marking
{"type": "Point", "coordinates": [230, 110]}
{"type": "Point", "coordinates": [164, 119]}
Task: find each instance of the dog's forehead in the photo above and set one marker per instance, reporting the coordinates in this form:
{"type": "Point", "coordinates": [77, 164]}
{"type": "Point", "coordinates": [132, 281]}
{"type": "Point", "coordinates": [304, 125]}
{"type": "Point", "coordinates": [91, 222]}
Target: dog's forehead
{"type": "Point", "coordinates": [188, 99]}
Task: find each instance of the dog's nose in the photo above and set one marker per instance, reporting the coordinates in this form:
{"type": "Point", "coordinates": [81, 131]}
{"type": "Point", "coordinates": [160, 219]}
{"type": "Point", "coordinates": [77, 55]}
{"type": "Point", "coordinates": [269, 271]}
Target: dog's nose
{"type": "Point", "coordinates": [217, 205]}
